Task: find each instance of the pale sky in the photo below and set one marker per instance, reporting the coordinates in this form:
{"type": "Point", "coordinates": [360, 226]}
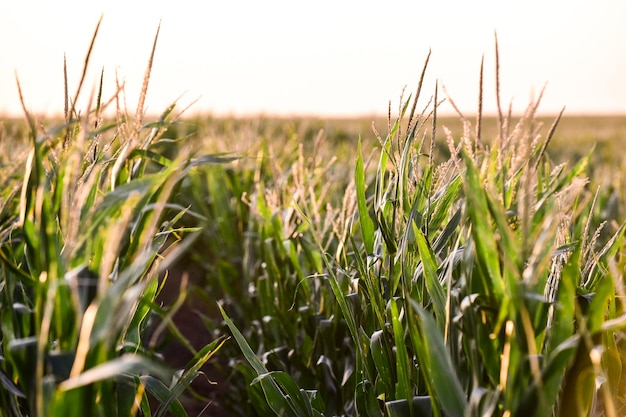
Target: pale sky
{"type": "Point", "coordinates": [324, 57]}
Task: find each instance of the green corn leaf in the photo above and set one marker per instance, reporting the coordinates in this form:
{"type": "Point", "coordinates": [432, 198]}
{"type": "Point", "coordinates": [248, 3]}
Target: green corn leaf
{"type": "Point", "coordinates": [163, 395]}
{"type": "Point", "coordinates": [191, 372]}
{"type": "Point", "coordinates": [9, 386]}
{"type": "Point", "coordinates": [300, 398]}
{"type": "Point", "coordinates": [125, 364]}
{"type": "Point", "coordinates": [447, 233]}
{"type": "Point", "coordinates": [150, 155]}
{"type": "Point", "coordinates": [367, 225]}
{"type": "Point", "coordinates": [366, 401]}
{"type": "Point", "coordinates": [433, 354]}
{"type": "Point", "coordinates": [417, 407]}
{"type": "Point", "coordinates": [379, 349]}
{"type": "Point", "coordinates": [278, 401]}
{"type": "Point", "coordinates": [487, 253]}
{"type": "Point", "coordinates": [442, 203]}
{"type": "Point", "coordinates": [404, 388]}
{"type": "Point", "coordinates": [431, 277]}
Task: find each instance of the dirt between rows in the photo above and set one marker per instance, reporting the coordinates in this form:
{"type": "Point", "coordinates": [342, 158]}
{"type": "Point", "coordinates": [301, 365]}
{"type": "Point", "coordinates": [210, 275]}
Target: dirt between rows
{"type": "Point", "coordinates": [188, 320]}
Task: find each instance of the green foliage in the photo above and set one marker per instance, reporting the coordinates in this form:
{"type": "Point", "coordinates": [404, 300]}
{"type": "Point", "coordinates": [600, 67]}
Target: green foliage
{"type": "Point", "coordinates": [85, 228]}
{"type": "Point", "coordinates": [410, 274]}
{"type": "Point", "coordinates": [455, 285]}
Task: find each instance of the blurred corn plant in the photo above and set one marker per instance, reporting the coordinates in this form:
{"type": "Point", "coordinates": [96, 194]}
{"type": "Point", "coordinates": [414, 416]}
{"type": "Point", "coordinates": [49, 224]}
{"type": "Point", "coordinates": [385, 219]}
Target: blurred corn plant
{"type": "Point", "coordinates": [263, 265]}
{"type": "Point", "coordinates": [476, 286]}
{"type": "Point", "coordinates": [86, 231]}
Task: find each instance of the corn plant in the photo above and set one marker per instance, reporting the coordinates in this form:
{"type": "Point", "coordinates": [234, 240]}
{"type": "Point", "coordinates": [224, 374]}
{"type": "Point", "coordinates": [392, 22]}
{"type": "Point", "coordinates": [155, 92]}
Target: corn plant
{"type": "Point", "coordinates": [472, 270]}
{"type": "Point", "coordinates": [474, 286]}
{"type": "Point", "coordinates": [87, 230]}
{"type": "Point", "coordinates": [261, 263]}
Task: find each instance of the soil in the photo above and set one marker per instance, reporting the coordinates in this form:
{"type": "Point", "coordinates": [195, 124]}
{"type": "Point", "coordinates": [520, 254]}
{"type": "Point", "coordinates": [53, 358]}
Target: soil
{"type": "Point", "coordinates": [188, 320]}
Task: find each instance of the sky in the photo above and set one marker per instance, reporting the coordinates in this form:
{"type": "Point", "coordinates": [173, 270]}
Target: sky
{"type": "Point", "coordinates": [326, 58]}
